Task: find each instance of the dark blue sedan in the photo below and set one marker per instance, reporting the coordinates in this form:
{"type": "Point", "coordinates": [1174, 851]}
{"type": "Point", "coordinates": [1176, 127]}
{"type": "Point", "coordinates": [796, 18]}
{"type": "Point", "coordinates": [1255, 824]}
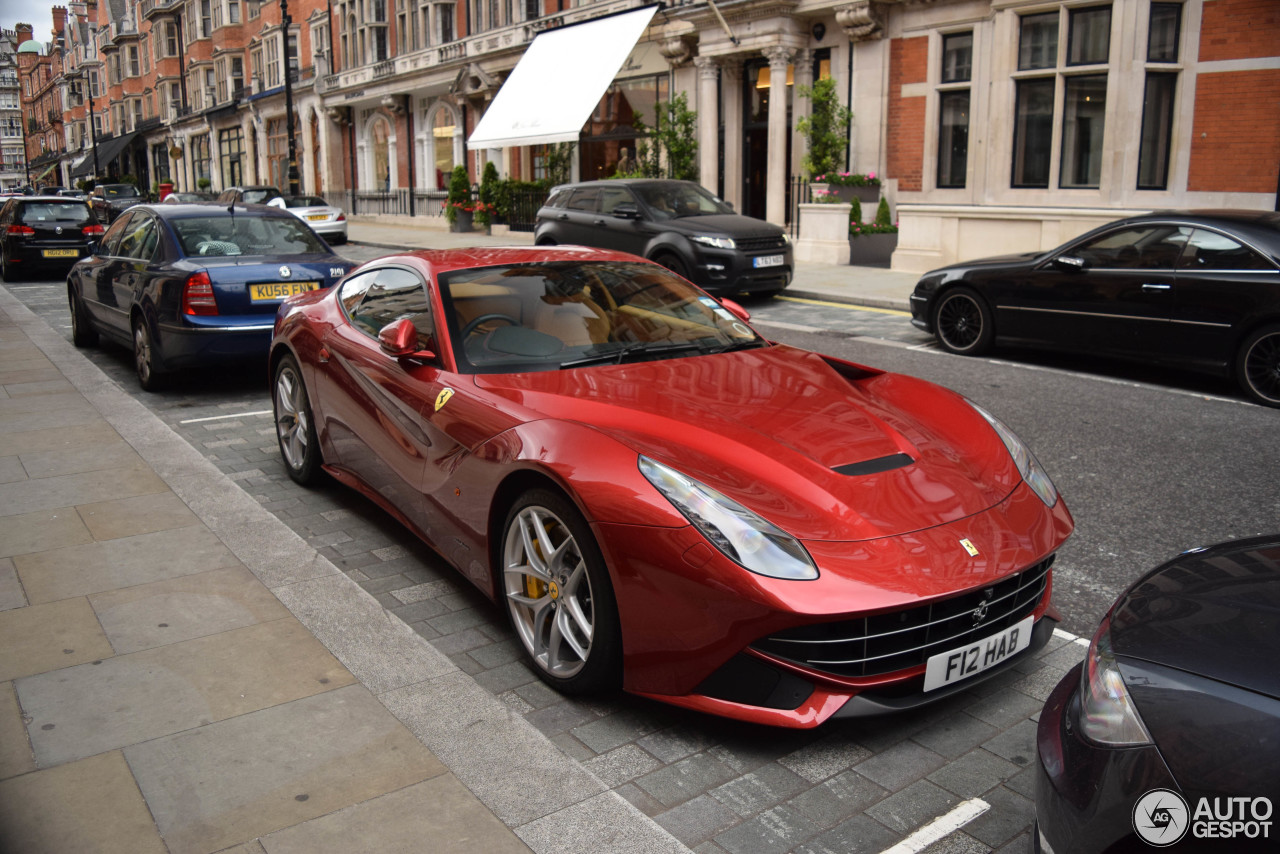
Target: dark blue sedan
{"type": "Point", "coordinates": [195, 284]}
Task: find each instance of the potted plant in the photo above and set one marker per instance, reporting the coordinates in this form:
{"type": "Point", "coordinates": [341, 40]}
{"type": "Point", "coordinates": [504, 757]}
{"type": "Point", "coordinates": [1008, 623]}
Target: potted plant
{"type": "Point", "coordinates": [458, 209]}
{"type": "Point", "coordinates": [484, 209]}
{"type": "Point", "coordinates": [825, 129]}
{"type": "Point", "coordinates": [872, 244]}
{"type": "Point", "coordinates": [848, 186]}
{"type": "Point", "coordinates": [203, 184]}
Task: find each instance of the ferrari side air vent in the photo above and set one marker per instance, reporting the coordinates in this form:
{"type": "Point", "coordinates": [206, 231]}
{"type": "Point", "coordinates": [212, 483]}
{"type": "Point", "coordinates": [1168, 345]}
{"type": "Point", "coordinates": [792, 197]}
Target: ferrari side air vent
{"type": "Point", "coordinates": [893, 461]}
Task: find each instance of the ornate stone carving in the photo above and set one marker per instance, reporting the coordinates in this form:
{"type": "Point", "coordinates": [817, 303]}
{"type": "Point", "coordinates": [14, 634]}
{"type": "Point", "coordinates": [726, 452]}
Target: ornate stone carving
{"type": "Point", "coordinates": [393, 104]}
{"type": "Point", "coordinates": [779, 56]}
{"type": "Point", "coordinates": [862, 20]}
{"type": "Point", "coordinates": [676, 48]}
{"type": "Point", "coordinates": [708, 67]}
{"type": "Point", "coordinates": [339, 115]}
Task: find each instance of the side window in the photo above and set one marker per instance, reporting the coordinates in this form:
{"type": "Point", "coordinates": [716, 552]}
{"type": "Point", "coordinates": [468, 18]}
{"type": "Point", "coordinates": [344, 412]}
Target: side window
{"type": "Point", "coordinates": [395, 294]}
{"type": "Point", "coordinates": [584, 199]}
{"type": "Point", "coordinates": [1209, 250]}
{"type": "Point", "coordinates": [1148, 247]}
{"type": "Point", "coordinates": [353, 289]}
{"type": "Point", "coordinates": [611, 197]}
{"type": "Point", "coordinates": [111, 240]}
{"type": "Point", "coordinates": [134, 240]}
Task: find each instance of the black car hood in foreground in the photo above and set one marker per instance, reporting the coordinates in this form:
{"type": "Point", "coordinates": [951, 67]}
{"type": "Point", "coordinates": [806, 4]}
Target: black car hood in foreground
{"type": "Point", "coordinates": [729, 225]}
{"type": "Point", "coordinates": [1214, 612]}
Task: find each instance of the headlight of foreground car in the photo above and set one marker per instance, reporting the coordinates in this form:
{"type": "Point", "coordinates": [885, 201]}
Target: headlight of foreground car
{"type": "Point", "coordinates": [1028, 466]}
{"type": "Point", "coordinates": [1107, 713]}
{"type": "Point", "coordinates": [712, 240]}
{"type": "Point", "coordinates": [744, 537]}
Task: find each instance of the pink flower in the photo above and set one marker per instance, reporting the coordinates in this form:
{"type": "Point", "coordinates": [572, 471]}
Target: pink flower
{"type": "Point", "coordinates": [871, 176]}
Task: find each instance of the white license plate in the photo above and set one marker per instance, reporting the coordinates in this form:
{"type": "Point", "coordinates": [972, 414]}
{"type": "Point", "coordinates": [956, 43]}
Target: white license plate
{"type": "Point", "coordinates": [768, 261]}
{"type": "Point", "coordinates": [948, 668]}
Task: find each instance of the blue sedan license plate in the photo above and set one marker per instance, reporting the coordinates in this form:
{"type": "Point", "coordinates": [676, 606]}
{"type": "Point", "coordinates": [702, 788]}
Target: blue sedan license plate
{"type": "Point", "coordinates": [279, 290]}
{"type": "Point", "coordinates": [947, 668]}
{"type": "Point", "coordinates": [767, 261]}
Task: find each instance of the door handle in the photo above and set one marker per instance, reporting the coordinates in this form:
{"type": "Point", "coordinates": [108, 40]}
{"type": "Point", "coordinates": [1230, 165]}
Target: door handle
{"type": "Point", "coordinates": [597, 222]}
{"type": "Point", "coordinates": [1155, 288]}
{"type": "Point", "coordinates": [562, 217]}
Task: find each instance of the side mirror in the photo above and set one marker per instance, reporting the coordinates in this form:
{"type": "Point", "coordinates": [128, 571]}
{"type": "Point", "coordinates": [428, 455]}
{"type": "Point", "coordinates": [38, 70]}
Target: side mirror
{"type": "Point", "coordinates": [1070, 263]}
{"type": "Point", "coordinates": [626, 210]}
{"type": "Point", "coordinates": [400, 339]}
{"type": "Point", "coordinates": [736, 310]}
{"type": "Point", "coordinates": [277, 202]}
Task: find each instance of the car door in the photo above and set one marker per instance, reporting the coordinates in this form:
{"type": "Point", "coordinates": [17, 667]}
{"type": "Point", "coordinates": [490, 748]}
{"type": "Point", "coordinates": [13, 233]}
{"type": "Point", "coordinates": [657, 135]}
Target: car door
{"type": "Point", "coordinates": [137, 243]}
{"type": "Point", "coordinates": [1221, 284]}
{"type": "Point", "coordinates": [579, 217]}
{"type": "Point", "coordinates": [97, 281]}
{"type": "Point", "coordinates": [1112, 293]}
{"type": "Point", "coordinates": [375, 404]}
{"type": "Point", "coordinates": [625, 233]}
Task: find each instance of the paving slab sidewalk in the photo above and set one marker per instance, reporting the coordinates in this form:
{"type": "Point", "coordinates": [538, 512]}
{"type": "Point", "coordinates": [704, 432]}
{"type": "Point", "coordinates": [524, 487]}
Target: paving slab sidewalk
{"type": "Point", "coordinates": [179, 671]}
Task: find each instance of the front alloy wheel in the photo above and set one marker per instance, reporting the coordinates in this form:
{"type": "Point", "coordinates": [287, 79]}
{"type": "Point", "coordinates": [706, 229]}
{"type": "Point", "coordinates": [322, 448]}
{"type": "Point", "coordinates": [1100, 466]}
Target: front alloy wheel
{"type": "Point", "coordinates": [558, 594]}
{"type": "Point", "coordinates": [1258, 367]}
{"type": "Point", "coordinates": [963, 323]}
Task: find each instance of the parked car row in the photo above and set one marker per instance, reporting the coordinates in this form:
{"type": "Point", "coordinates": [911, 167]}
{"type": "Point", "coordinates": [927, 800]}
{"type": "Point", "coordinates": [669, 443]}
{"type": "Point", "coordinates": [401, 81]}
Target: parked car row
{"type": "Point", "coordinates": [593, 442]}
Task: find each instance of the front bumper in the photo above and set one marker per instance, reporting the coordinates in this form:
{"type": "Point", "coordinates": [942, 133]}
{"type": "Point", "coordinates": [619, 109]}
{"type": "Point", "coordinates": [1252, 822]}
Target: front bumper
{"type": "Point", "coordinates": [726, 272]}
{"type": "Point", "coordinates": [1085, 793]}
{"type": "Point", "coordinates": [690, 616]}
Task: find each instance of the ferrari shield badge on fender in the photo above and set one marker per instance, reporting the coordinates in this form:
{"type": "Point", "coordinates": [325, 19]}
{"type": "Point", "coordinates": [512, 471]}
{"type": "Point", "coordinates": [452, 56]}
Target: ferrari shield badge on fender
{"type": "Point", "coordinates": [967, 543]}
{"type": "Point", "coordinates": [443, 397]}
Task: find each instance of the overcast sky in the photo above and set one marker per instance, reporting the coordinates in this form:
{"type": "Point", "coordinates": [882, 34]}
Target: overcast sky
{"type": "Point", "coordinates": [37, 13]}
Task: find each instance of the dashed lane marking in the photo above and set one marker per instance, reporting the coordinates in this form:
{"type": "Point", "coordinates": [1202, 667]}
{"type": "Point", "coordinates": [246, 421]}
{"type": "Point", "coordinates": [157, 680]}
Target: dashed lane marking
{"type": "Point", "coordinates": [940, 827]}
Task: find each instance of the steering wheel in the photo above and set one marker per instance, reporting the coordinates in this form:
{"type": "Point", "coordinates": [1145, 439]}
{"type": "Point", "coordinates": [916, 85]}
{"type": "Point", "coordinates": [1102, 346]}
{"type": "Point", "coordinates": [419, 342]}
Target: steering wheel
{"type": "Point", "coordinates": [471, 327]}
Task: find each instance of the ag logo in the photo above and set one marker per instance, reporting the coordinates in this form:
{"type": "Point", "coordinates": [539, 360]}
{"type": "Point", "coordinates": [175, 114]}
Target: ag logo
{"type": "Point", "coordinates": [1160, 817]}
{"type": "Point", "coordinates": [443, 397]}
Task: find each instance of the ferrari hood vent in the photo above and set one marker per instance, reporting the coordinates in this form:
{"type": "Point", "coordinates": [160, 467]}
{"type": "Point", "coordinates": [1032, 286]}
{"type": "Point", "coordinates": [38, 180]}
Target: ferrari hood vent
{"type": "Point", "coordinates": [879, 464]}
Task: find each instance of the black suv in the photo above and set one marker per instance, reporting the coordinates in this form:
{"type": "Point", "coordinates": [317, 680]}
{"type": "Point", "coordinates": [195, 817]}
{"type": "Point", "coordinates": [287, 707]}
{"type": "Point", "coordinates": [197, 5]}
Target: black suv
{"type": "Point", "coordinates": [45, 233]}
{"type": "Point", "coordinates": [258, 194]}
{"type": "Point", "coordinates": [675, 223]}
{"type": "Point", "coordinates": [111, 200]}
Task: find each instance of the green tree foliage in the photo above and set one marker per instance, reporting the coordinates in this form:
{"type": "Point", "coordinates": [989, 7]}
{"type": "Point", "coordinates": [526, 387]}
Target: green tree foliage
{"type": "Point", "coordinates": [459, 192]}
{"type": "Point", "coordinates": [559, 162]}
{"type": "Point", "coordinates": [826, 128]}
{"type": "Point", "coordinates": [855, 212]}
{"type": "Point", "coordinates": [671, 150]}
{"type": "Point", "coordinates": [882, 213]}
{"type": "Point", "coordinates": [488, 189]}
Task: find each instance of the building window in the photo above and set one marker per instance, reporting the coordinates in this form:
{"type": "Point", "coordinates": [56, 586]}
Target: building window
{"type": "Point", "coordinates": [231, 152]}
{"type": "Point", "coordinates": [233, 12]}
{"type": "Point", "coordinates": [253, 8]}
{"type": "Point", "coordinates": [953, 109]}
{"type": "Point", "coordinates": [237, 78]}
{"type": "Point", "coordinates": [206, 18]}
{"type": "Point", "coordinates": [255, 62]}
{"type": "Point", "coordinates": [1083, 96]}
{"type": "Point", "coordinates": [170, 39]}
{"type": "Point", "coordinates": [1159, 96]}
{"type": "Point", "coordinates": [271, 54]}
{"type": "Point", "coordinates": [200, 158]}
{"type": "Point", "coordinates": [132, 57]}
{"type": "Point", "coordinates": [445, 14]}
{"type": "Point", "coordinates": [144, 44]}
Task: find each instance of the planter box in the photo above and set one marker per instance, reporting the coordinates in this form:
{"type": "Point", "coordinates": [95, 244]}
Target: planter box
{"type": "Point", "coordinates": [872, 250]}
{"type": "Point", "coordinates": [461, 221]}
{"type": "Point", "coordinates": [824, 229]}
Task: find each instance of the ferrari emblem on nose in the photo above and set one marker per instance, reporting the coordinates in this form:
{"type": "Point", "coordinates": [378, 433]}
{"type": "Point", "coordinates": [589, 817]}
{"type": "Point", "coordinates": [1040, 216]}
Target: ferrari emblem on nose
{"type": "Point", "coordinates": [285, 272]}
{"type": "Point", "coordinates": [443, 397]}
{"type": "Point", "coordinates": [969, 547]}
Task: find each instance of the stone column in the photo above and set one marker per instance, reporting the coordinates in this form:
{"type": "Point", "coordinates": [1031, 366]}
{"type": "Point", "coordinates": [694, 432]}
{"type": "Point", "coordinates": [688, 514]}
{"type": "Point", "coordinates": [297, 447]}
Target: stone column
{"type": "Point", "coordinates": [800, 107]}
{"type": "Point", "coordinates": [708, 123]}
{"type": "Point", "coordinates": [731, 84]}
{"type": "Point", "coordinates": [776, 184]}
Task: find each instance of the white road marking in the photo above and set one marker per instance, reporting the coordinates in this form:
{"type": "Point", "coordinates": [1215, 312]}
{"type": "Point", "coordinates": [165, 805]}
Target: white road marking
{"type": "Point", "coordinates": [1067, 636]}
{"type": "Point", "coordinates": [942, 826]}
{"type": "Point", "coordinates": [224, 417]}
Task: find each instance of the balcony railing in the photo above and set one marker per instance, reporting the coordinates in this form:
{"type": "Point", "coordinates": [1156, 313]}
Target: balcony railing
{"type": "Point", "coordinates": [471, 47]}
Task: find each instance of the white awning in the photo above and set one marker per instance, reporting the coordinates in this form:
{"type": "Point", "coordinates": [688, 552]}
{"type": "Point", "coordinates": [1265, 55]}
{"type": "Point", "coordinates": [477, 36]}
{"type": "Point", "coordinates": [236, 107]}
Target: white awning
{"type": "Point", "coordinates": [559, 80]}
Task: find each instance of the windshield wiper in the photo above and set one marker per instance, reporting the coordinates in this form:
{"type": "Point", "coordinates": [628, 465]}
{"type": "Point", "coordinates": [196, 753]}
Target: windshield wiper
{"type": "Point", "coordinates": [738, 345]}
{"type": "Point", "coordinates": [640, 348]}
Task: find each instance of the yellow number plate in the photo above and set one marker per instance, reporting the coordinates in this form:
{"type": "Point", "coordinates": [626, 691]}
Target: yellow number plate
{"type": "Point", "coordinates": [61, 253]}
{"type": "Point", "coordinates": [279, 290]}
{"type": "Point", "coordinates": [314, 217]}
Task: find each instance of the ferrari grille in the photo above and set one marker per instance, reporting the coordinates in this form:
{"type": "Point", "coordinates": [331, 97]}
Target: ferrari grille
{"type": "Point", "coordinates": [884, 643]}
{"type": "Point", "coordinates": [756, 244]}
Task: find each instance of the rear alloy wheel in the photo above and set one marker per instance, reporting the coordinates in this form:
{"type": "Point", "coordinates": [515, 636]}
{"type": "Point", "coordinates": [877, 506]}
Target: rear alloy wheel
{"type": "Point", "coordinates": [674, 264]}
{"type": "Point", "coordinates": [82, 333]}
{"type": "Point", "coordinates": [150, 376]}
{"type": "Point", "coordinates": [559, 595]}
{"type": "Point", "coordinates": [962, 323]}
{"type": "Point", "coordinates": [295, 427]}
{"type": "Point", "coordinates": [1258, 365]}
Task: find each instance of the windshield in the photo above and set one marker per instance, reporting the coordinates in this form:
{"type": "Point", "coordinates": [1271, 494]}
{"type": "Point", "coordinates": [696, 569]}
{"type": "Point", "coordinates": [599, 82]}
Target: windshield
{"type": "Point", "coordinates": [119, 191]}
{"type": "Point", "coordinates": [674, 199]}
{"type": "Point", "coordinates": [567, 314]}
{"type": "Point", "coordinates": [245, 234]}
{"type": "Point", "coordinates": [76, 213]}
{"type": "Point", "coordinates": [259, 195]}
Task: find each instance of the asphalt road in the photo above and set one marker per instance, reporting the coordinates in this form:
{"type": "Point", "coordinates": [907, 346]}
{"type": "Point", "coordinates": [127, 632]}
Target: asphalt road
{"type": "Point", "coordinates": [1149, 463]}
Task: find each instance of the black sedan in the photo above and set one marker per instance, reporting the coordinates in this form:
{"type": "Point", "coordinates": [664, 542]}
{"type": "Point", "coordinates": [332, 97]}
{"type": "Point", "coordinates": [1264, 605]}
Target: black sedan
{"type": "Point", "coordinates": [41, 233]}
{"type": "Point", "coordinates": [1170, 730]}
{"type": "Point", "coordinates": [195, 284]}
{"type": "Point", "coordinates": [678, 224]}
{"type": "Point", "coordinates": [110, 200]}
{"type": "Point", "coordinates": [1199, 290]}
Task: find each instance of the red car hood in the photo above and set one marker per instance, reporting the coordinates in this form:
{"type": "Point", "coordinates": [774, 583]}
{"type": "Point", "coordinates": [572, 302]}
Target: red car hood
{"type": "Point", "coordinates": [769, 427]}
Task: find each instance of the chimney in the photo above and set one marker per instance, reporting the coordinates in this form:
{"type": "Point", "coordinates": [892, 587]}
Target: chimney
{"type": "Point", "coordinates": [23, 31]}
{"type": "Point", "coordinates": [59, 19]}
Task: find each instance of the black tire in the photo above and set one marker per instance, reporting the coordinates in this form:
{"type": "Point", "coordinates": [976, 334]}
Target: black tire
{"type": "Point", "coordinates": [82, 332]}
{"type": "Point", "coordinates": [674, 263]}
{"type": "Point", "coordinates": [549, 606]}
{"type": "Point", "coordinates": [962, 322]}
{"type": "Point", "coordinates": [1258, 365]}
{"type": "Point", "coordinates": [146, 360]}
{"type": "Point", "coordinates": [295, 424]}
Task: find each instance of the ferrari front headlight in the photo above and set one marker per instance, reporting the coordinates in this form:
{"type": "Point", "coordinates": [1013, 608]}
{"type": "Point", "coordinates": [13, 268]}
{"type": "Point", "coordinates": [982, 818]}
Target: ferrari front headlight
{"type": "Point", "coordinates": [1028, 466]}
{"type": "Point", "coordinates": [744, 537]}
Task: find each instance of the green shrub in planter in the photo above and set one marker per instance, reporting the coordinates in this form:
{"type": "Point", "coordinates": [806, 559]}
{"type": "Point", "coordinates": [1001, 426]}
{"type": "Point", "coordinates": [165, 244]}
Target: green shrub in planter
{"type": "Point", "coordinates": [459, 193]}
{"type": "Point", "coordinates": [882, 213]}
